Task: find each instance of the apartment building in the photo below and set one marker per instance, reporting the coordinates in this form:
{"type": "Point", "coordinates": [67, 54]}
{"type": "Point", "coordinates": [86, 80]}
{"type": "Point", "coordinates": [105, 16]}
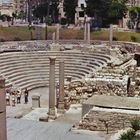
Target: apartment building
{"type": "Point", "coordinates": [20, 5]}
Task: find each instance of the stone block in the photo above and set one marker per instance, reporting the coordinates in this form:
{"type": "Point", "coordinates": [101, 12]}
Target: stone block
{"type": "Point", "coordinates": [35, 101]}
{"type": "Point", "coordinates": [43, 119]}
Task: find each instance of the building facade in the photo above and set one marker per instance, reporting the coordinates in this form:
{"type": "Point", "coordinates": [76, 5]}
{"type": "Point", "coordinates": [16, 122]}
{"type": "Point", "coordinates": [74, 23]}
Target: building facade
{"type": "Point", "coordinates": [80, 13]}
{"type": "Point", "coordinates": [7, 7]}
{"type": "Point", "coordinates": [20, 5]}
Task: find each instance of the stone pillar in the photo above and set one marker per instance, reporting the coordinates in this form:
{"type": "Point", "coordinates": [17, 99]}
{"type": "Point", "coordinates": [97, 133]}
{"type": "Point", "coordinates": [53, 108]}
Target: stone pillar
{"type": "Point", "coordinates": [35, 101]}
{"type": "Point", "coordinates": [57, 32]}
{"type": "Point", "coordinates": [53, 37]}
{"type": "Point", "coordinates": [88, 32]}
{"type": "Point", "coordinates": [110, 35]}
{"type": "Point", "coordinates": [85, 32]}
{"type": "Point", "coordinates": [38, 33]}
{"type": "Point", "coordinates": [61, 108]}
{"type": "Point", "coordinates": [3, 129]}
{"type": "Point", "coordinates": [52, 97]}
{"type": "Point", "coordinates": [134, 72]}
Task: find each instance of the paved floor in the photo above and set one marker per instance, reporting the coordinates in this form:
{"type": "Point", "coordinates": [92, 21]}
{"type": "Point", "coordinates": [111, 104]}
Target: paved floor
{"type": "Point", "coordinates": [29, 128]}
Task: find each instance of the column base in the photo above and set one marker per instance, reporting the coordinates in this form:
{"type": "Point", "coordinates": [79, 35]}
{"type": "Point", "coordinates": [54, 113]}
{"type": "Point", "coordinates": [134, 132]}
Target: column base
{"type": "Point", "coordinates": [61, 108]}
{"type": "Point", "coordinates": [52, 114]}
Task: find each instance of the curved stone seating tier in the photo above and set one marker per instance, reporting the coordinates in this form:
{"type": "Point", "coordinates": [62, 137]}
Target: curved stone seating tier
{"type": "Point", "coordinates": [31, 69]}
{"type": "Point", "coordinates": [57, 54]}
{"type": "Point", "coordinates": [44, 74]}
{"type": "Point", "coordinates": [57, 75]}
{"type": "Point", "coordinates": [16, 72]}
{"type": "Point", "coordinates": [24, 59]}
{"type": "Point", "coordinates": [18, 64]}
{"type": "Point", "coordinates": [31, 80]}
{"type": "Point", "coordinates": [46, 77]}
{"type": "Point", "coordinates": [5, 66]}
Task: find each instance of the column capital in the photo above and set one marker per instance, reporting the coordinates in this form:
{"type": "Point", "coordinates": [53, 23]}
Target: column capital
{"type": "Point", "coordinates": [52, 58]}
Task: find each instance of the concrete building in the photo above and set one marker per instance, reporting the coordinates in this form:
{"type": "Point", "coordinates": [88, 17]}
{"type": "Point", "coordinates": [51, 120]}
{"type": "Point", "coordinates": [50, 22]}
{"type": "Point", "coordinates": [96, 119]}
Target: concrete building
{"type": "Point", "coordinates": [125, 20]}
{"type": "Point", "coordinates": [21, 5]}
{"type": "Point", "coordinates": [7, 7]}
{"type": "Point", "coordinates": [61, 9]}
{"type": "Point", "coordinates": [80, 14]}
{"type": "Point", "coordinates": [134, 3]}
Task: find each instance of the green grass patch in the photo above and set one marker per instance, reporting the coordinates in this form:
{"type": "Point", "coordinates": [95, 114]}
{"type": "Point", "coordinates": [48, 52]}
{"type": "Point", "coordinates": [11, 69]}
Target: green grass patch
{"type": "Point", "coordinates": [23, 33]}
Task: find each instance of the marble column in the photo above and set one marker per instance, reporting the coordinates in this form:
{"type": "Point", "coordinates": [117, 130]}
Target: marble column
{"type": "Point", "coordinates": [110, 35]}
{"type": "Point", "coordinates": [52, 96]}
{"type": "Point", "coordinates": [88, 32]}
{"type": "Point", "coordinates": [57, 32]}
{"type": "Point", "coordinates": [85, 32]}
{"type": "Point", "coordinates": [61, 108]}
{"type": "Point", "coordinates": [3, 128]}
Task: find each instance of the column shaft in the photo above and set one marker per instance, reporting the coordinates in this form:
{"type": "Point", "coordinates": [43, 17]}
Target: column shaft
{"type": "Point", "coordinates": [111, 34]}
{"type": "Point", "coordinates": [61, 87]}
{"type": "Point", "coordinates": [52, 97]}
{"type": "Point", "coordinates": [85, 32]}
{"type": "Point", "coordinates": [3, 129]}
{"type": "Point", "coordinates": [88, 33]}
{"type": "Point", "coordinates": [57, 32]}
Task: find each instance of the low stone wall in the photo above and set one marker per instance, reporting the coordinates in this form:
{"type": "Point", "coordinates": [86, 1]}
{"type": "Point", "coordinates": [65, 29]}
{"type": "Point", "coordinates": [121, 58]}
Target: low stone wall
{"type": "Point", "coordinates": [43, 44]}
{"type": "Point", "coordinates": [97, 120]}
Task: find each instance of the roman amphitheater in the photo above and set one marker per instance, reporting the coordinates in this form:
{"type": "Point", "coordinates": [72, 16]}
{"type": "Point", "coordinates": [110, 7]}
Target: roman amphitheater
{"type": "Point", "coordinates": [102, 79]}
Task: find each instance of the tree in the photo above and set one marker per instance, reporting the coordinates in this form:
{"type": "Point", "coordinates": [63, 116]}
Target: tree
{"type": "Point", "coordinates": [69, 8]}
{"type": "Point", "coordinates": [98, 9]}
{"type": "Point", "coordinates": [118, 10]}
{"type": "Point", "coordinates": [134, 13]}
{"type": "Point", "coordinates": [40, 11]}
{"type": "Point", "coordinates": [106, 11]}
{"type": "Point", "coordinates": [21, 15]}
{"type": "Point", "coordinates": [48, 21]}
{"type": "Point", "coordinates": [49, 8]}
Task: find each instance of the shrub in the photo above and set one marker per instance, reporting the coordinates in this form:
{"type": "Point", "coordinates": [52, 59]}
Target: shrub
{"type": "Point", "coordinates": [63, 21]}
{"type": "Point", "coordinates": [129, 135]}
{"type": "Point", "coordinates": [132, 133]}
{"type": "Point", "coordinates": [135, 125]}
{"type": "Point", "coordinates": [134, 39]}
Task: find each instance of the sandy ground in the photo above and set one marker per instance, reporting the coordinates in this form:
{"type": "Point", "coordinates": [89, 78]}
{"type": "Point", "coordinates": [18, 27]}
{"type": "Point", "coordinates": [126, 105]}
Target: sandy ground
{"type": "Point", "coordinates": [28, 126]}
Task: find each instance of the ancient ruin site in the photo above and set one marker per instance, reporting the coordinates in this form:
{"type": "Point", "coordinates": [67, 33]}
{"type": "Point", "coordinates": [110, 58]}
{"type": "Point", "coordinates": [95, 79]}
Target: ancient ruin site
{"type": "Point", "coordinates": [69, 69]}
{"type": "Point", "coordinates": [77, 89]}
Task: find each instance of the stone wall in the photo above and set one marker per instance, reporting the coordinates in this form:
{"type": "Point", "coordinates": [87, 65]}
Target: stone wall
{"type": "Point", "coordinates": [21, 45]}
{"type": "Point", "coordinates": [100, 120]}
